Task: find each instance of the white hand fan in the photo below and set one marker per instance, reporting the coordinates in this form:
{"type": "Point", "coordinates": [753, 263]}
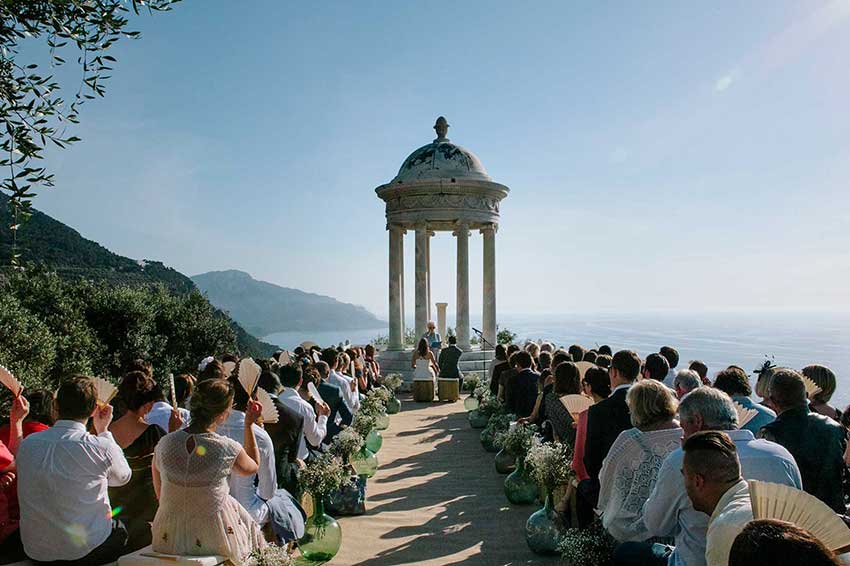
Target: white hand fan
{"type": "Point", "coordinates": [784, 503]}
{"type": "Point", "coordinates": [173, 392]}
{"type": "Point", "coordinates": [269, 414]}
{"type": "Point", "coordinates": [583, 367]}
{"type": "Point", "coordinates": [249, 375]}
{"type": "Point", "coordinates": [284, 358]}
{"type": "Point", "coordinates": [228, 368]}
{"type": "Point", "coordinates": [10, 381]}
{"type": "Point", "coordinates": [576, 404]}
{"type": "Point", "coordinates": [812, 388]}
{"type": "Point", "coordinates": [317, 357]}
{"type": "Point", "coordinates": [105, 391]}
{"type": "Point", "coordinates": [745, 415]}
{"type": "Point", "coordinates": [314, 392]}
{"type": "Point", "coordinates": [307, 345]}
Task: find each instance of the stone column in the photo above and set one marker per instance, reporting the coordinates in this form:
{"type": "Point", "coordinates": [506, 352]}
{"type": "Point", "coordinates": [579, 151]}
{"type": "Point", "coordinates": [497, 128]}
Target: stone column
{"type": "Point", "coordinates": [441, 321]}
{"type": "Point", "coordinates": [428, 254]}
{"type": "Point", "coordinates": [421, 279]}
{"type": "Point", "coordinates": [396, 288]}
{"type": "Point", "coordinates": [489, 312]}
{"type": "Point", "coordinates": [462, 314]}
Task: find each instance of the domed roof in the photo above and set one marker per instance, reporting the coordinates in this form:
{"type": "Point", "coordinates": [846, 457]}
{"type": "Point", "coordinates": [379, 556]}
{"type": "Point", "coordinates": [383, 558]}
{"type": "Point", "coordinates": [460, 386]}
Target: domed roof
{"type": "Point", "coordinates": [441, 159]}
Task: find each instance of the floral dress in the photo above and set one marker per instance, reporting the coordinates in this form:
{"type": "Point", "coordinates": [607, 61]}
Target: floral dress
{"type": "Point", "coordinates": [197, 516]}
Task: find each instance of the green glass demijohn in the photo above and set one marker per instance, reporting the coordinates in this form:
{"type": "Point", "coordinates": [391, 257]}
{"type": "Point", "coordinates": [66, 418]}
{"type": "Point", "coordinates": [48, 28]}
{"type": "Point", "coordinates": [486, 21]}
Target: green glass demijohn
{"type": "Point", "coordinates": [383, 422]}
{"type": "Point", "coordinates": [477, 420]}
{"type": "Point", "coordinates": [393, 405]}
{"type": "Point", "coordinates": [520, 489]}
{"type": "Point", "coordinates": [322, 534]}
{"type": "Point", "coordinates": [544, 529]}
{"type": "Point", "coordinates": [487, 439]}
{"type": "Point", "coordinates": [364, 462]}
{"type": "Point", "coordinates": [505, 462]}
{"type": "Point", "coordinates": [374, 441]}
{"type": "Point", "coordinates": [471, 403]}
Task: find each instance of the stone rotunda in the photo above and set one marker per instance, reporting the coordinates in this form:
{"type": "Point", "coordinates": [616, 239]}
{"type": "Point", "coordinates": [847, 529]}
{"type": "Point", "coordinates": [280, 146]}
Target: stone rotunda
{"type": "Point", "coordinates": [441, 187]}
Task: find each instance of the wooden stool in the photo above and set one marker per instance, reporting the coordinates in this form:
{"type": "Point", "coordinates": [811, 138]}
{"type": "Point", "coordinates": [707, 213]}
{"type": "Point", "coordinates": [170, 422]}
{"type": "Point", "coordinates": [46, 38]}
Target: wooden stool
{"type": "Point", "coordinates": [147, 557]}
{"type": "Point", "coordinates": [423, 390]}
{"type": "Point", "coordinates": [448, 389]}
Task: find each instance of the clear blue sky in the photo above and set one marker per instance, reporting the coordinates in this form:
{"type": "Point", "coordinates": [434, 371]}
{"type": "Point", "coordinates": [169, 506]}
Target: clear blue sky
{"type": "Point", "coordinates": [662, 155]}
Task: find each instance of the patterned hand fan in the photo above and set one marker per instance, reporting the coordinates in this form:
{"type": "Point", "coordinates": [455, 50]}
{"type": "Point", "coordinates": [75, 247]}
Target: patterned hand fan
{"type": "Point", "coordinates": [812, 388]}
{"type": "Point", "coordinates": [269, 414]}
{"type": "Point", "coordinates": [576, 404]}
{"type": "Point", "coordinates": [228, 368]}
{"type": "Point", "coordinates": [173, 391]}
{"type": "Point", "coordinates": [314, 392]}
{"type": "Point", "coordinates": [745, 415]}
{"type": "Point", "coordinates": [10, 381]}
{"type": "Point", "coordinates": [284, 358]}
{"type": "Point", "coordinates": [249, 375]}
{"type": "Point", "coordinates": [582, 368]}
{"type": "Point", "coordinates": [784, 503]}
{"type": "Point", "coordinates": [105, 391]}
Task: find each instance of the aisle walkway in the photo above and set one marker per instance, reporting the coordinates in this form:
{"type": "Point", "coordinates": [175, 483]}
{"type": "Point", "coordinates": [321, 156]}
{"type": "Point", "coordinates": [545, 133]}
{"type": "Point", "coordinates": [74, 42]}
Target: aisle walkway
{"type": "Point", "coordinates": [436, 499]}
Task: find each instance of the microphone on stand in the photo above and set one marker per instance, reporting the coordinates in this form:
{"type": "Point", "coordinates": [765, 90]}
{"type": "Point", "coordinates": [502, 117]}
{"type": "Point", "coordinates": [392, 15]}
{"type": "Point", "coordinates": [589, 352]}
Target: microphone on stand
{"type": "Point", "coordinates": [476, 330]}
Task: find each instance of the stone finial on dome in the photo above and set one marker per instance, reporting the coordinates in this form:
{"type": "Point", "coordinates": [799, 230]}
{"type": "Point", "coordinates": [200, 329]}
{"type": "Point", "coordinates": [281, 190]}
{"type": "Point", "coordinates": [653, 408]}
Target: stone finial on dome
{"type": "Point", "coordinates": [442, 128]}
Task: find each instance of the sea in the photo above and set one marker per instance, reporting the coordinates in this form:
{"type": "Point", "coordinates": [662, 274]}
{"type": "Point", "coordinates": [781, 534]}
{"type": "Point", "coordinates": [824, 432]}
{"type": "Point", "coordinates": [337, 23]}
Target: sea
{"type": "Point", "coordinates": [790, 339]}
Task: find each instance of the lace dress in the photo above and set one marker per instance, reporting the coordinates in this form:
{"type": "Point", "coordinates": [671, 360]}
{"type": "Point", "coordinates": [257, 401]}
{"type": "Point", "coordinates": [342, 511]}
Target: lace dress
{"type": "Point", "coordinates": [197, 516]}
{"type": "Point", "coordinates": [423, 370]}
{"type": "Point", "coordinates": [628, 476]}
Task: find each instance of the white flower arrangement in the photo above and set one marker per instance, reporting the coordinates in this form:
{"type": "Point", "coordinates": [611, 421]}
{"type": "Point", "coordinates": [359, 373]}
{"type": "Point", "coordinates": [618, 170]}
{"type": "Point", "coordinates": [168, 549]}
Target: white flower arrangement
{"type": "Point", "coordinates": [270, 555]}
{"type": "Point", "coordinates": [551, 463]}
{"type": "Point", "coordinates": [324, 475]}
{"type": "Point", "coordinates": [392, 381]}
{"type": "Point", "coordinates": [516, 440]}
{"type": "Point", "coordinates": [346, 443]}
{"type": "Point", "coordinates": [364, 423]}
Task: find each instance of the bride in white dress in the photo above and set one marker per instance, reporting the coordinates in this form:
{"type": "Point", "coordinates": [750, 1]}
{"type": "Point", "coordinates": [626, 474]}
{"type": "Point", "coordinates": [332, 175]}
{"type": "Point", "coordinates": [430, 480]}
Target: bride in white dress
{"type": "Point", "coordinates": [196, 515]}
{"type": "Point", "coordinates": [424, 365]}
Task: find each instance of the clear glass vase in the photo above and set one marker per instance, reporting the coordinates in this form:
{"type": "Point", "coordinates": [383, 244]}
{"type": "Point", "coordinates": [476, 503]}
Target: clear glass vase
{"type": "Point", "coordinates": [505, 462]}
{"type": "Point", "coordinates": [544, 529]}
{"type": "Point", "coordinates": [471, 403]}
{"type": "Point", "coordinates": [322, 534]}
{"type": "Point", "coordinates": [477, 420]}
{"type": "Point", "coordinates": [520, 489]}
{"type": "Point", "coordinates": [365, 463]}
{"type": "Point", "coordinates": [393, 405]}
{"type": "Point", "coordinates": [383, 422]}
{"type": "Point", "coordinates": [374, 441]}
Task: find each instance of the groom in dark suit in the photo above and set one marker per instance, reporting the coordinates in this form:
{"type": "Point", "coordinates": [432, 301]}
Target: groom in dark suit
{"type": "Point", "coordinates": [606, 420]}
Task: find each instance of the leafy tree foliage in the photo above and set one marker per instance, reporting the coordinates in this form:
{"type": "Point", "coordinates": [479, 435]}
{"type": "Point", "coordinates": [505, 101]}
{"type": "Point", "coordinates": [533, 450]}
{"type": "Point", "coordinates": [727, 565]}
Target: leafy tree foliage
{"type": "Point", "coordinates": [31, 106]}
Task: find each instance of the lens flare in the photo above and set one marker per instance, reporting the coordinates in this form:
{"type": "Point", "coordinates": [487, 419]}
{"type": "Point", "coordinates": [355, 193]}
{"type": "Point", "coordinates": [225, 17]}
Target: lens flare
{"type": "Point", "coordinates": [201, 450]}
{"type": "Point", "coordinates": [114, 512]}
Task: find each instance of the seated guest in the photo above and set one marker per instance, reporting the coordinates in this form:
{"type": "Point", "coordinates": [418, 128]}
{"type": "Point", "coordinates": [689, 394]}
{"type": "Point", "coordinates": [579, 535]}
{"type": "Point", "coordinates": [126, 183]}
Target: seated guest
{"type": "Point", "coordinates": [545, 368]}
{"type": "Point", "coordinates": [500, 364]}
{"type": "Point", "coordinates": [285, 434]}
{"type": "Point", "coordinates": [631, 466]}
{"type": "Point", "coordinates": [672, 356]}
{"type": "Point", "coordinates": [603, 361]}
{"type": "Point", "coordinates": [533, 350]}
{"type": "Point", "coordinates": [597, 385]}
{"type": "Point", "coordinates": [825, 379]}
{"type": "Point", "coordinates": [138, 439]}
{"type": "Point", "coordinates": [605, 350]}
{"type": "Point", "coordinates": [577, 352]}
{"type": "Point", "coordinates": [373, 368]}
{"type": "Point", "coordinates": [734, 382]}
{"type": "Point", "coordinates": [449, 359]}
{"type": "Point", "coordinates": [765, 376]}
{"type": "Point", "coordinates": [701, 369]}
{"type": "Point", "coordinates": [521, 389]}
{"type": "Point", "coordinates": [767, 542]}
{"type": "Point", "coordinates": [715, 487]}
{"type": "Point", "coordinates": [668, 511]}
{"type": "Point", "coordinates": [816, 442]}
{"type": "Point", "coordinates": [686, 381]}
{"type": "Point", "coordinates": [538, 414]}
{"type": "Point", "coordinates": [315, 419]}
{"type": "Point", "coordinates": [567, 382]}
{"type": "Point", "coordinates": [347, 387]}
{"type": "Point", "coordinates": [508, 372]}
{"type": "Point", "coordinates": [161, 414]}
{"type": "Point", "coordinates": [258, 493]}
{"type": "Point", "coordinates": [63, 476]}
{"type": "Point", "coordinates": [197, 516]}
{"type": "Point", "coordinates": [213, 370]}
{"type": "Point", "coordinates": [11, 549]}
{"type": "Point", "coordinates": [590, 356]}
{"type": "Point", "coordinates": [339, 417]}
{"type": "Point", "coordinates": [41, 416]}
{"type": "Point", "coordinates": [657, 368]}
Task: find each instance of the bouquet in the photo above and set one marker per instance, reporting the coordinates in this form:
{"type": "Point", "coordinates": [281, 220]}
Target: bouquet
{"type": "Point", "coordinates": [346, 443]}
{"type": "Point", "coordinates": [371, 405]}
{"type": "Point", "coordinates": [364, 423]}
{"type": "Point", "coordinates": [481, 389]}
{"type": "Point", "coordinates": [381, 394]}
{"type": "Point", "coordinates": [490, 405]}
{"type": "Point", "coordinates": [471, 381]}
{"type": "Point", "coordinates": [324, 475]}
{"type": "Point", "coordinates": [271, 555]}
{"type": "Point", "coordinates": [516, 440]}
{"type": "Point", "coordinates": [392, 382]}
{"type": "Point", "coordinates": [592, 546]}
{"type": "Point", "coordinates": [551, 463]}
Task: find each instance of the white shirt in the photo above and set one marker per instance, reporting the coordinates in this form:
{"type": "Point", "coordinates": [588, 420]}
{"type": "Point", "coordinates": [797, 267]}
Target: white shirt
{"type": "Point", "coordinates": [242, 488]}
{"type": "Point", "coordinates": [731, 515]}
{"type": "Point", "coordinates": [349, 397]}
{"type": "Point", "coordinates": [63, 476]}
{"type": "Point", "coordinates": [161, 413]}
{"type": "Point", "coordinates": [314, 430]}
{"type": "Point", "coordinates": [670, 378]}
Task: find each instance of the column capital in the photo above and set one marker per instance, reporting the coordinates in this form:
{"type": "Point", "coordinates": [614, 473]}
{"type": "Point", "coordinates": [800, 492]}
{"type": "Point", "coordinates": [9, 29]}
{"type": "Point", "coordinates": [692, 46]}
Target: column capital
{"type": "Point", "coordinates": [489, 228]}
{"type": "Point", "coordinates": [421, 225]}
{"type": "Point", "coordinates": [397, 228]}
